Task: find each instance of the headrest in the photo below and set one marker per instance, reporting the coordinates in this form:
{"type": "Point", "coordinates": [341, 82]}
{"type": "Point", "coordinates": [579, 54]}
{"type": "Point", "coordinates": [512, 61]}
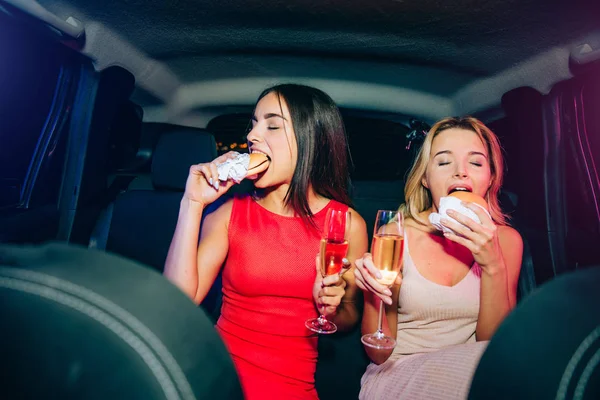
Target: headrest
{"type": "Point", "coordinates": [178, 149]}
{"type": "Point", "coordinates": [124, 137]}
{"type": "Point", "coordinates": [118, 80]}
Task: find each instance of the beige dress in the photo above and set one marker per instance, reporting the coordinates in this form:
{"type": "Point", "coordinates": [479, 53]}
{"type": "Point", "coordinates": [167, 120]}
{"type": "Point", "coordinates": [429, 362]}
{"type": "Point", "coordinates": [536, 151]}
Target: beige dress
{"type": "Point", "coordinates": [436, 353]}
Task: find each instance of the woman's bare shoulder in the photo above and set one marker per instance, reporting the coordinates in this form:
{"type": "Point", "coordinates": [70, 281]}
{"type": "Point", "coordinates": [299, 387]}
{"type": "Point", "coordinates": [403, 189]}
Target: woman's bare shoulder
{"type": "Point", "coordinates": [420, 225]}
{"type": "Point", "coordinates": [219, 212]}
{"type": "Point", "coordinates": [509, 235]}
{"type": "Point", "coordinates": [357, 218]}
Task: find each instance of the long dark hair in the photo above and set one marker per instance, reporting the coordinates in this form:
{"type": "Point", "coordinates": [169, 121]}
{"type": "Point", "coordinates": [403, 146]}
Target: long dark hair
{"type": "Point", "coordinates": [322, 146]}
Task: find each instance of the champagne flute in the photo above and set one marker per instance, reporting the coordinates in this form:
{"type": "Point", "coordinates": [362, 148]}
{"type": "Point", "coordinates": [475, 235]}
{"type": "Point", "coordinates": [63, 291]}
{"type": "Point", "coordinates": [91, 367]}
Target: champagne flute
{"type": "Point", "coordinates": [334, 245]}
{"type": "Point", "coordinates": [387, 248]}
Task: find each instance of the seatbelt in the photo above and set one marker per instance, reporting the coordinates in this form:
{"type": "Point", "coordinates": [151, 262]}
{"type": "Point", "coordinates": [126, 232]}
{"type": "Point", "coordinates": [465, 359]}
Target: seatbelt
{"type": "Point", "coordinates": [99, 237]}
{"type": "Point", "coordinates": [118, 185]}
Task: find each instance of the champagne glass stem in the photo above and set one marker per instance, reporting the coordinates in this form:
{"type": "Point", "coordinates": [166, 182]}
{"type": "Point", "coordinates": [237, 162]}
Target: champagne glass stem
{"type": "Point", "coordinates": [379, 332]}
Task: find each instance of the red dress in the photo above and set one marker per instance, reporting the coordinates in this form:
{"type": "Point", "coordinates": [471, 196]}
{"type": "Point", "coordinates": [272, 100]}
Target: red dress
{"type": "Point", "coordinates": [267, 295]}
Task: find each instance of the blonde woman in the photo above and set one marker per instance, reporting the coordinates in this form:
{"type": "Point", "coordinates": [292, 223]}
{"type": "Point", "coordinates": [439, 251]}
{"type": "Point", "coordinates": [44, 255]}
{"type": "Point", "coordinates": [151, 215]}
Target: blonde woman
{"type": "Point", "coordinates": [455, 289]}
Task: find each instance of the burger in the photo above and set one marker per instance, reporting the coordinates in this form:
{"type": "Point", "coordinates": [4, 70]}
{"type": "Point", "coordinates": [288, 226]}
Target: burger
{"type": "Point", "coordinates": [470, 197]}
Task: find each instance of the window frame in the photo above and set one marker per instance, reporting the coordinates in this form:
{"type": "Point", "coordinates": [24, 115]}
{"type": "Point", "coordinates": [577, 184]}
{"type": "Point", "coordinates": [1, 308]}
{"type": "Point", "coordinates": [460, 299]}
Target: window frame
{"type": "Point", "coordinates": [57, 118]}
{"type": "Point", "coordinates": [571, 244]}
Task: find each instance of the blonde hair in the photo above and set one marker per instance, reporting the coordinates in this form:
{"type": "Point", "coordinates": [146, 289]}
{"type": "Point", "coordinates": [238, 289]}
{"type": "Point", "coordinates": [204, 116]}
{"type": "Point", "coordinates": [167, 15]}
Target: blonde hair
{"type": "Point", "coordinates": [418, 197]}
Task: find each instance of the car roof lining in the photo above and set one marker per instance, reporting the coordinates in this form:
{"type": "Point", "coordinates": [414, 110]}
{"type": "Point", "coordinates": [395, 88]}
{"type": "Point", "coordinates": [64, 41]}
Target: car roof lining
{"type": "Point", "coordinates": [363, 67]}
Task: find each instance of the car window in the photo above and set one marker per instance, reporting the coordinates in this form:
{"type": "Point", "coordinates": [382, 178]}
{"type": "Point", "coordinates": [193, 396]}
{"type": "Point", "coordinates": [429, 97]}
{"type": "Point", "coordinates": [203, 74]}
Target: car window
{"type": "Point", "coordinates": [230, 132]}
{"type": "Point", "coordinates": [378, 148]}
{"type": "Point", "coordinates": [29, 71]}
{"type": "Point", "coordinates": [581, 173]}
{"type": "Point", "coordinates": [591, 106]}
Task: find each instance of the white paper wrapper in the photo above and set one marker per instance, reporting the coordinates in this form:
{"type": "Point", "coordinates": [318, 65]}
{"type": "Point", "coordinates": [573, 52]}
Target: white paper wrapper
{"type": "Point", "coordinates": [234, 169]}
{"type": "Point", "coordinates": [452, 203]}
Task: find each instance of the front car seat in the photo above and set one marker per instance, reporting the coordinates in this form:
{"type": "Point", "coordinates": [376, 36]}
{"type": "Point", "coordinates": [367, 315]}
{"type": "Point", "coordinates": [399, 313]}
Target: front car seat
{"type": "Point", "coordinates": [84, 324]}
{"type": "Point", "coordinates": [548, 347]}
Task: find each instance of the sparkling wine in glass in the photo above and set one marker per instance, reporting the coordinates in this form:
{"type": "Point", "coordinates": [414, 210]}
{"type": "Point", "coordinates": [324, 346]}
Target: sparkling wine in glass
{"type": "Point", "coordinates": [334, 245]}
{"type": "Point", "coordinates": [387, 248]}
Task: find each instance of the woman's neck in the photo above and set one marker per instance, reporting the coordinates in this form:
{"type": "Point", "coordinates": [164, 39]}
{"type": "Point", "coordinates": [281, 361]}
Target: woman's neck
{"type": "Point", "coordinates": [437, 235]}
{"type": "Point", "coordinates": [273, 199]}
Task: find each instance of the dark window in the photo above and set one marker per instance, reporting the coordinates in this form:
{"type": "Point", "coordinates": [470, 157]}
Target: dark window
{"type": "Point", "coordinates": [582, 165]}
{"type": "Point", "coordinates": [230, 132]}
{"type": "Point", "coordinates": [29, 71]}
{"type": "Point", "coordinates": [378, 148]}
{"type": "Point", "coordinates": [591, 114]}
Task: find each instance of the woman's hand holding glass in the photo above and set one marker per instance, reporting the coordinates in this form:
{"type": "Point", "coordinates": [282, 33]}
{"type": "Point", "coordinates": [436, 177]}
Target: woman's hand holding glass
{"type": "Point", "coordinates": [378, 271]}
{"type": "Point", "coordinates": [331, 263]}
{"type": "Point", "coordinates": [368, 278]}
{"type": "Point", "coordinates": [328, 291]}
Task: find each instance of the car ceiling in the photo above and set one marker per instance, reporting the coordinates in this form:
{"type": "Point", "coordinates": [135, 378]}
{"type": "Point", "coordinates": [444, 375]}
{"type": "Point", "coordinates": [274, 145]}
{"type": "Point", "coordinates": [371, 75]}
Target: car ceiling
{"type": "Point", "coordinates": [407, 56]}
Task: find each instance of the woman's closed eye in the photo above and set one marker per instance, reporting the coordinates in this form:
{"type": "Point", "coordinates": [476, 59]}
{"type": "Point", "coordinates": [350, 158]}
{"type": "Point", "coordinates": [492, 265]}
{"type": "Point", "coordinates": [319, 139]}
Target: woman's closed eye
{"type": "Point", "coordinates": [478, 162]}
{"type": "Point", "coordinates": [273, 128]}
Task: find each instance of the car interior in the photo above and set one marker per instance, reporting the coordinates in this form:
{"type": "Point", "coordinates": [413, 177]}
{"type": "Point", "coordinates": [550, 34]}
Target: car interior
{"type": "Point", "coordinates": [104, 106]}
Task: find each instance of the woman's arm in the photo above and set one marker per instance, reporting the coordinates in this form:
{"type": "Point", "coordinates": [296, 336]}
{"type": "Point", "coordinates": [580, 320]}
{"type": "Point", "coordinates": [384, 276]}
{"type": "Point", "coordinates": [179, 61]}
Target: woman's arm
{"type": "Point", "coordinates": [181, 265]}
{"type": "Point", "coordinates": [498, 250]}
{"type": "Point", "coordinates": [191, 266]}
{"type": "Point", "coordinates": [499, 284]}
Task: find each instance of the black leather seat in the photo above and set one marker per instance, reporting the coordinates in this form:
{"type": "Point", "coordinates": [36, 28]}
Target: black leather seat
{"type": "Point", "coordinates": [548, 347]}
{"type": "Point", "coordinates": [139, 224]}
{"type": "Point", "coordinates": [527, 279]}
{"type": "Point", "coordinates": [84, 324]}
